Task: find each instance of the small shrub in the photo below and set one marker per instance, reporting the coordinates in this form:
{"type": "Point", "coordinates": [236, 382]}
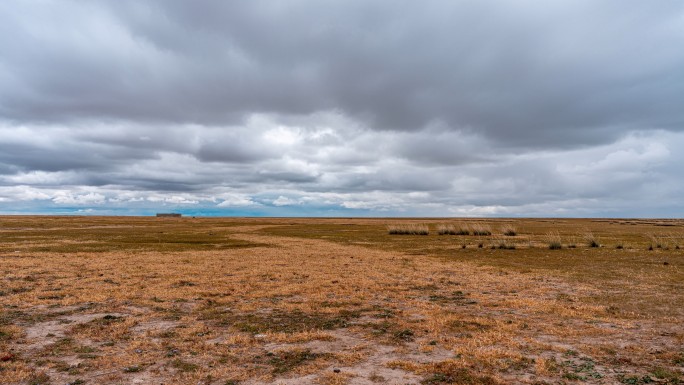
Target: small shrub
{"type": "Point", "coordinates": [409, 229]}
{"type": "Point", "coordinates": [508, 230]}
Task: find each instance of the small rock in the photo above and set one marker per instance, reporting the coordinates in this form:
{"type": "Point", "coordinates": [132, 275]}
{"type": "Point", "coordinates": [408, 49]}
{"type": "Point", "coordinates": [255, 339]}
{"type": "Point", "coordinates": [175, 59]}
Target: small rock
{"type": "Point", "coordinates": [138, 351]}
{"type": "Point", "coordinates": [336, 370]}
{"type": "Point", "coordinates": [666, 263]}
{"type": "Point", "coordinates": [260, 336]}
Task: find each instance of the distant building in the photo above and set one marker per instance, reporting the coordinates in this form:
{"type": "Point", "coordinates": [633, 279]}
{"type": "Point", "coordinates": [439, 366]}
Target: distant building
{"type": "Point", "coordinates": [169, 215]}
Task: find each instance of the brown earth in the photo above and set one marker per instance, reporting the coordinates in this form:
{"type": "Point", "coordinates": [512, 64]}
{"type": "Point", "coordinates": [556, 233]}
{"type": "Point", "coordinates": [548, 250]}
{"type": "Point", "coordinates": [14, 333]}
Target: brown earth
{"type": "Point", "coordinates": [338, 301]}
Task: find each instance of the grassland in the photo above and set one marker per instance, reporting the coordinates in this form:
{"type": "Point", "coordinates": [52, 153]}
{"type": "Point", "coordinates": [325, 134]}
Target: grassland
{"type": "Point", "coordinates": [90, 300]}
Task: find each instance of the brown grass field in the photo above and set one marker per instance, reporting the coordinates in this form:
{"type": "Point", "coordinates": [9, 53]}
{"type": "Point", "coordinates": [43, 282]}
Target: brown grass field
{"type": "Point", "coordinates": [112, 300]}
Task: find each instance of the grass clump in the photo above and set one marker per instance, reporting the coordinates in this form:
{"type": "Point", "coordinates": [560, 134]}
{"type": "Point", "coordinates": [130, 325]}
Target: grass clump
{"type": "Point", "coordinates": [467, 326]}
{"type": "Point", "coordinates": [590, 239]}
{"type": "Point", "coordinates": [39, 379]}
{"type": "Point", "coordinates": [409, 229]}
{"type": "Point", "coordinates": [284, 362]}
{"type": "Point", "coordinates": [403, 335]}
{"type": "Point", "coordinates": [509, 230]}
{"type": "Point", "coordinates": [554, 241]}
{"type": "Point", "coordinates": [446, 230]}
{"type": "Point", "coordinates": [481, 230]}
{"type": "Point", "coordinates": [463, 230]}
{"type": "Point", "coordinates": [657, 242]}
{"type": "Point", "coordinates": [184, 366]}
{"type": "Point", "coordinates": [449, 372]}
{"type": "Point", "coordinates": [664, 374]}
{"type": "Point", "coordinates": [504, 244]}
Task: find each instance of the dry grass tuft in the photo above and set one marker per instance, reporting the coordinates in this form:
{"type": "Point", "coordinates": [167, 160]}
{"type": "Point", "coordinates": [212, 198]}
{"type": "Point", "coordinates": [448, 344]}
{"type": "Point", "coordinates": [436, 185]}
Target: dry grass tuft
{"type": "Point", "coordinates": [463, 229]}
{"type": "Point", "coordinates": [504, 244]}
{"type": "Point", "coordinates": [509, 230]}
{"type": "Point", "coordinates": [481, 229]}
{"type": "Point", "coordinates": [590, 239]}
{"type": "Point", "coordinates": [446, 230]}
{"type": "Point", "coordinates": [553, 239]}
{"type": "Point", "coordinates": [409, 229]}
{"type": "Point", "coordinates": [657, 241]}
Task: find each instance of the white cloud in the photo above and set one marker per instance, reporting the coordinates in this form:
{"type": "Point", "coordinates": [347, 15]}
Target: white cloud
{"type": "Point", "coordinates": [284, 201]}
{"type": "Point", "coordinates": [236, 201]}
{"type": "Point", "coordinates": [67, 198]}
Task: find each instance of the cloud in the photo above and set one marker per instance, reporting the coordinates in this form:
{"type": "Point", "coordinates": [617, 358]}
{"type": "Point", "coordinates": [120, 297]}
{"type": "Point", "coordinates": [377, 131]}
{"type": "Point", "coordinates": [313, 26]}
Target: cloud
{"type": "Point", "coordinates": [406, 108]}
{"type": "Point", "coordinates": [65, 198]}
{"type": "Point", "coordinates": [284, 201]}
{"type": "Point", "coordinates": [523, 74]}
{"type": "Point", "coordinates": [236, 201]}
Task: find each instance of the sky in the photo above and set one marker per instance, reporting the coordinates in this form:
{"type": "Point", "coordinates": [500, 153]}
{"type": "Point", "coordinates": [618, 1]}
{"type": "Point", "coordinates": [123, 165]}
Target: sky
{"type": "Point", "coordinates": [342, 108]}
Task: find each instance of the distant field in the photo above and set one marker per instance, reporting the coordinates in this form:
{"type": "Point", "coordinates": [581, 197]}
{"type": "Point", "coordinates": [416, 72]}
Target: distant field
{"type": "Point", "coordinates": [120, 300]}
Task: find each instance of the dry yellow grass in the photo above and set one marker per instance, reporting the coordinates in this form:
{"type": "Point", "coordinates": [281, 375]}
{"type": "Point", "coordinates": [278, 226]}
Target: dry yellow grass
{"type": "Point", "coordinates": [335, 301]}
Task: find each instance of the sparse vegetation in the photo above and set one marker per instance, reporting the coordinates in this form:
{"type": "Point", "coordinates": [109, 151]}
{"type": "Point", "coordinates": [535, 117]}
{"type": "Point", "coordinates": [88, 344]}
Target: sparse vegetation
{"type": "Point", "coordinates": [447, 372]}
{"type": "Point", "coordinates": [225, 301]}
{"type": "Point", "coordinates": [296, 321]}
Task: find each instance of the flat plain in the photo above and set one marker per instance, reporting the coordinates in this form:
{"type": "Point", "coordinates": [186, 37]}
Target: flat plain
{"type": "Point", "coordinates": [140, 300]}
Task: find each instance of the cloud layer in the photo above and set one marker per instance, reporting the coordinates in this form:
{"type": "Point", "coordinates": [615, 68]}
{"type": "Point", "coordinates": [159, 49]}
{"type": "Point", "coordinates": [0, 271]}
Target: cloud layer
{"type": "Point", "coordinates": [342, 108]}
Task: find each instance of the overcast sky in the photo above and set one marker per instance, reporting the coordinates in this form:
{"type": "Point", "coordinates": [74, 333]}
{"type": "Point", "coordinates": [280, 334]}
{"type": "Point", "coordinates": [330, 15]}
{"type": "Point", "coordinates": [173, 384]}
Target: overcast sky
{"type": "Point", "coordinates": [342, 108]}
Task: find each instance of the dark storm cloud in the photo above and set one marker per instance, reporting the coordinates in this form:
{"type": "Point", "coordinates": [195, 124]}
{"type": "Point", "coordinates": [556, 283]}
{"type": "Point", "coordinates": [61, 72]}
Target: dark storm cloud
{"type": "Point", "coordinates": [523, 73]}
{"type": "Point", "coordinates": [66, 156]}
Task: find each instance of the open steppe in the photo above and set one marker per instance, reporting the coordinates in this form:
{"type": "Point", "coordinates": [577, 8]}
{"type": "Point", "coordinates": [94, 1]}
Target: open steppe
{"type": "Point", "coordinates": [139, 300]}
